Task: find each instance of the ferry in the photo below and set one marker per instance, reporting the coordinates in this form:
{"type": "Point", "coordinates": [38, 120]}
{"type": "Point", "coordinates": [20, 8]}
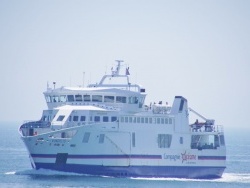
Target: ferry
{"type": "Point", "coordinates": [106, 129]}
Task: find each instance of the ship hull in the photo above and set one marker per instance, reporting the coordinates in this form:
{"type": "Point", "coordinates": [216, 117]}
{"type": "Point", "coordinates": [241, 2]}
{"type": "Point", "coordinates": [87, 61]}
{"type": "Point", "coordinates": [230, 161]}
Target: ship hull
{"type": "Point", "coordinates": [138, 171]}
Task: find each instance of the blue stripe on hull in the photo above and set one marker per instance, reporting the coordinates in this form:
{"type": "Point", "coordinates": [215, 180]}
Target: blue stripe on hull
{"type": "Point", "coordinates": [138, 171]}
{"type": "Point", "coordinates": [100, 156]}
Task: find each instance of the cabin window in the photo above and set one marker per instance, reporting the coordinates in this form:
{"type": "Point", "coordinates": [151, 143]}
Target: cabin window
{"type": "Point", "coordinates": [86, 98]}
{"type": "Point", "coordinates": [101, 138]}
{"type": "Point", "coordinates": [60, 118]}
{"type": "Point", "coordinates": [105, 118]}
{"type": "Point", "coordinates": [222, 140]}
{"type": "Point", "coordinates": [134, 119]}
{"type": "Point", "coordinates": [96, 98]}
{"type": "Point", "coordinates": [78, 97]}
{"type": "Point", "coordinates": [181, 140]}
{"type": "Point", "coordinates": [141, 101]}
{"type": "Point", "coordinates": [71, 98]}
{"type": "Point", "coordinates": [113, 118]}
{"type": "Point", "coordinates": [130, 119]}
{"type": "Point", "coordinates": [120, 99]}
{"type": "Point", "coordinates": [69, 118]}
{"type": "Point", "coordinates": [201, 142]}
{"type": "Point", "coordinates": [83, 118]}
{"type": "Point", "coordinates": [97, 118]}
{"type": "Point", "coordinates": [142, 120]}
{"type": "Point", "coordinates": [122, 119]}
{"type": "Point", "coordinates": [86, 137]}
{"type": "Point", "coordinates": [75, 118]}
{"type": "Point", "coordinates": [150, 120]}
{"type": "Point", "coordinates": [133, 139]}
{"type": "Point", "coordinates": [110, 99]}
{"type": "Point", "coordinates": [44, 118]}
{"type": "Point", "coordinates": [170, 121]}
{"type": "Point", "coordinates": [162, 120]}
{"type": "Point", "coordinates": [138, 119]}
{"type": "Point", "coordinates": [63, 98]}
{"type": "Point", "coordinates": [126, 119]}
{"type": "Point", "coordinates": [164, 140]}
{"type": "Point", "coordinates": [158, 120]}
{"type": "Point", "coordinates": [146, 120]}
{"type": "Point", "coordinates": [166, 120]}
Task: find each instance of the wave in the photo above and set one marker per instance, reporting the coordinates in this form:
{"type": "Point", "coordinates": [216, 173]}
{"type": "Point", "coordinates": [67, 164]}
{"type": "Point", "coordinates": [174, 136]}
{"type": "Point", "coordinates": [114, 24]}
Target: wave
{"type": "Point", "coordinates": [226, 178]}
{"type": "Point", "coordinates": [43, 172]}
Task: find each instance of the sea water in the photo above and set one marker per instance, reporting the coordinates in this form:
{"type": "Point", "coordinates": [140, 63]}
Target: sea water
{"type": "Point", "coordinates": [16, 171]}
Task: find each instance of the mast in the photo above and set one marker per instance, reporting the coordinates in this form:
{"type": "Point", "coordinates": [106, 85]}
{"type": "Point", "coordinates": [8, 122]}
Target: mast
{"type": "Point", "coordinates": [116, 72]}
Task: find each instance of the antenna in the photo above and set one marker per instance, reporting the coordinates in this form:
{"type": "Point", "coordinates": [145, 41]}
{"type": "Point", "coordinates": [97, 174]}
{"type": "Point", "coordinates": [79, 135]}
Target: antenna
{"type": "Point", "coordinates": [83, 79]}
{"type": "Point", "coordinates": [54, 83]}
{"type": "Point", "coordinates": [116, 72]}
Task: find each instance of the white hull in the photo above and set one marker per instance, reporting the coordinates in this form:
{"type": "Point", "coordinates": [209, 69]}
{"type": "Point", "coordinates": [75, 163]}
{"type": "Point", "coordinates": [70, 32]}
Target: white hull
{"type": "Point", "coordinates": [105, 129]}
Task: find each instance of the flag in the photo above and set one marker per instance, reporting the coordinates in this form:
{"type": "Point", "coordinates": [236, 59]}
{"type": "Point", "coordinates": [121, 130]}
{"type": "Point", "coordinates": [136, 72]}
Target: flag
{"type": "Point", "coordinates": [127, 71]}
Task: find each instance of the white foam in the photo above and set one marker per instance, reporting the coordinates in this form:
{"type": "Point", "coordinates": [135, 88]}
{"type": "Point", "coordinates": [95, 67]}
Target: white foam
{"type": "Point", "coordinates": [44, 172]}
{"type": "Point", "coordinates": [227, 178]}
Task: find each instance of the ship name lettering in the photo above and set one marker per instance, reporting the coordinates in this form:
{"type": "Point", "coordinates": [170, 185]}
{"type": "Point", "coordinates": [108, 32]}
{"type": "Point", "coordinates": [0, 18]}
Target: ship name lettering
{"type": "Point", "coordinates": [172, 157]}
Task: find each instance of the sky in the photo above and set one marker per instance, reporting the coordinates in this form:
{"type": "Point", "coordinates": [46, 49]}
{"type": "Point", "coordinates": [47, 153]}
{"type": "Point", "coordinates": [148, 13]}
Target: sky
{"type": "Point", "coordinates": [191, 48]}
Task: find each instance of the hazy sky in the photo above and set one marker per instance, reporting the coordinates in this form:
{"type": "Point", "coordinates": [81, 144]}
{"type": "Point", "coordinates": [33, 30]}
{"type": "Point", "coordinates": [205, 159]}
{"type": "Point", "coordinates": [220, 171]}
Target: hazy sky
{"type": "Point", "coordinates": [197, 49]}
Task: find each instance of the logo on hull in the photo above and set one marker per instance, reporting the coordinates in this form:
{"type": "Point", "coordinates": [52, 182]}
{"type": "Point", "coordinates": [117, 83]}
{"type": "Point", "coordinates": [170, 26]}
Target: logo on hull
{"type": "Point", "coordinates": [184, 157]}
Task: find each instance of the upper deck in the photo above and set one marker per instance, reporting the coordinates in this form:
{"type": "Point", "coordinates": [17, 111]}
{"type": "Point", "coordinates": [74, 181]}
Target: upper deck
{"type": "Point", "coordinates": [122, 95]}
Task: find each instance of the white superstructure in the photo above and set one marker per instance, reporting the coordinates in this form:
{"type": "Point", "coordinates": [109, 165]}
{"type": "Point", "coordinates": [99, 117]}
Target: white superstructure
{"type": "Point", "coordinates": [106, 129]}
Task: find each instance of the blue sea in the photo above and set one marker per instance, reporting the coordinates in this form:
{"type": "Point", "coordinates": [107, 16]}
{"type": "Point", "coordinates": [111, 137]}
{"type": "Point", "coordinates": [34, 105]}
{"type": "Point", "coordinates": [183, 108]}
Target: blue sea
{"type": "Point", "coordinates": [16, 171]}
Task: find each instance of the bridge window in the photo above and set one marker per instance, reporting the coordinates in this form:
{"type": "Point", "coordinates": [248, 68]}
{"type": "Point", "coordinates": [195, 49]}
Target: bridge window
{"type": "Point", "coordinates": [150, 120]}
{"type": "Point", "coordinates": [63, 98]}
{"type": "Point", "coordinates": [120, 99]}
{"type": "Point", "coordinates": [130, 119]}
{"type": "Point", "coordinates": [86, 98]}
{"type": "Point", "coordinates": [164, 140]}
{"type": "Point", "coordinates": [96, 98]}
{"type": "Point", "coordinates": [78, 97]}
{"type": "Point", "coordinates": [48, 99]}
{"type": "Point", "coordinates": [133, 100]}
{"type": "Point", "coordinates": [55, 98]}
{"type": "Point", "coordinates": [71, 98]}
{"type": "Point", "coordinates": [110, 99]}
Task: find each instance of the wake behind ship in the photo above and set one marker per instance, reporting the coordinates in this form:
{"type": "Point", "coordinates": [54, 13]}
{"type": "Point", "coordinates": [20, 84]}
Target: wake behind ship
{"type": "Point", "coordinates": [106, 129]}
